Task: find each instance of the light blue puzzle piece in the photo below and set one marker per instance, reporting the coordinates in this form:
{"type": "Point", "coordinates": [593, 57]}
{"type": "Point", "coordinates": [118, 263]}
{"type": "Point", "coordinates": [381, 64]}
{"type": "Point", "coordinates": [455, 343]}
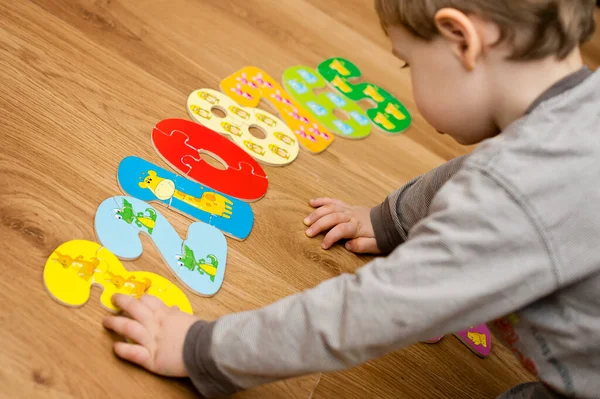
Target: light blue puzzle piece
{"type": "Point", "coordinates": [120, 220]}
{"type": "Point", "coordinates": [209, 262]}
{"type": "Point", "coordinates": [149, 182]}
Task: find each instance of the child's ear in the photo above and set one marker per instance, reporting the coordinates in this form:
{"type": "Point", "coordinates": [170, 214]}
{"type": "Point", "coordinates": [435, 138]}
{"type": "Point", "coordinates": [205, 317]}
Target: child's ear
{"type": "Point", "coordinates": [460, 30]}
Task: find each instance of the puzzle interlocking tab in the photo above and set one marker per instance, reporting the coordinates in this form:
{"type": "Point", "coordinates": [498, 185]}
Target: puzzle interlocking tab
{"type": "Point", "coordinates": [149, 182]}
{"type": "Point", "coordinates": [388, 114]}
{"type": "Point", "coordinates": [301, 83]}
{"type": "Point", "coordinates": [75, 266]}
{"type": "Point", "coordinates": [250, 85]}
{"type": "Point", "coordinates": [278, 147]}
{"type": "Point", "coordinates": [120, 220]}
{"type": "Point", "coordinates": [181, 143]}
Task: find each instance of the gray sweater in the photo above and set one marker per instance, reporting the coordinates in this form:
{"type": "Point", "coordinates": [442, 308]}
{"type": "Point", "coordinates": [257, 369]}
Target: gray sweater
{"type": "Point", "coordinates": [509, 235]}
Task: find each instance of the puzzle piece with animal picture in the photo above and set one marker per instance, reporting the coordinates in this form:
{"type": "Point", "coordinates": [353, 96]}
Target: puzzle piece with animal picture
{"type": "Point", "coordinates": [477, 338]}
{"type": "Point", "coordinates": [278, 147]}
{"type": "Point", "coordinates": [181, 144]}
{"type": "Point", "coordinates": [120, 221]}
{"type": "Point", "coordinates": [250, 85]}
{"type": "Point", "coordinates": [77, 265]}
{"type": "Point", "coordinates": [149, 182]}
{"type": "Point", "coordinates": [389, 114]}
{"type": "Point", "coordinates": [301, 83]}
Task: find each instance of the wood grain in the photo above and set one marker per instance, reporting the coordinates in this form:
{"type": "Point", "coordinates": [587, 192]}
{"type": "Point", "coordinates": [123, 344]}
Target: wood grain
{"type": "Point", "coordinates": [84, 82]}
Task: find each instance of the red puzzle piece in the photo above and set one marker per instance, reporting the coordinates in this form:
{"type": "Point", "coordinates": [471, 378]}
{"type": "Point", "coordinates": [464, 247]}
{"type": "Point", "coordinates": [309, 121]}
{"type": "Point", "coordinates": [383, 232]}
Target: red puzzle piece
{"type": "Point", "coordinates": [180, 142]}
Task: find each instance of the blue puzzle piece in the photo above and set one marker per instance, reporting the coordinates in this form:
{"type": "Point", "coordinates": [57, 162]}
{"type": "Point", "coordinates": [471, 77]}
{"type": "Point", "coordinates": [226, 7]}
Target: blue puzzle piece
{"type": "Point", "coordinates": [120, 220]}
{"type": "Point", "coordinates": [149, 182]}
{"type": "Point", "coordinates": [203, 266]}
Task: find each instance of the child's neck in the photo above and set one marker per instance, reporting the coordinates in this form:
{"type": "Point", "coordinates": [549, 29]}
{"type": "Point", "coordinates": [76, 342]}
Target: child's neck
{"type": "Point", "coordinates": [519, 84]}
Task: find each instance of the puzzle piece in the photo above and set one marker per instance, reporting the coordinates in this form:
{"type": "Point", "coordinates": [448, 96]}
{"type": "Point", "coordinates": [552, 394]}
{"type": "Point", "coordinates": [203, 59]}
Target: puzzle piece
{"type": "Point", "coordinates": [180, 143]}
{"type": "Point", "coordinates": [201, 265]}
{"type": "Point", "coordinates": [389, 114]}
{"type": "Point", "coordinates": [149, 182]}
{"type": "Point", "coordinates": [300, 82]}
{"type": "Point", "coordinates": [250, 84]}
{"type": "Point", "coordinates": [125, 241]}
{"type": "Point", "coordinates": [278, 148]}
{"type": "Point", "coordinates": [478, 339]}
{"type": "Point", "coordinates": [247, 168]}
{"type": "Point", "coordinates": [75, 266]}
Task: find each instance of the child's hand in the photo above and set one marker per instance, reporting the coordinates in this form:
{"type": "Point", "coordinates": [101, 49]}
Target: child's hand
{"type": "Point", "coordinates": [345, 222]}
{"type": "Point", "coordinates": [157, 330]}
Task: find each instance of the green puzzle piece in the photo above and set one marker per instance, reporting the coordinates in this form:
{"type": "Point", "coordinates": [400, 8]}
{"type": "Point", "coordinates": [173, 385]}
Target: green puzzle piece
{"type": "Point", "coordinates": [389, 115]}
{"type": "Point", "coordinates": [300, 82]}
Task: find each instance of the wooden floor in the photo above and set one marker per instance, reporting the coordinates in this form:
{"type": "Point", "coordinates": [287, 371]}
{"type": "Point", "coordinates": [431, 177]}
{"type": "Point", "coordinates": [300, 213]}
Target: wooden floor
{"type": "Point", "coordinates": [82, 83]}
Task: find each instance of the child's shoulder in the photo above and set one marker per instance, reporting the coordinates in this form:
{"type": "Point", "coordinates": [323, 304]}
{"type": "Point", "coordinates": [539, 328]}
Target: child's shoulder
{"type": "Point", "coordinates": [560, 132]}
{"type": "Point", "coordinates": [549, 164]}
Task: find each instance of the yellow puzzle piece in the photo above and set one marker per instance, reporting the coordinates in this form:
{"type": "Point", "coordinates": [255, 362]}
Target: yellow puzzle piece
{"type": "Point", "coordinates": [76, 265]}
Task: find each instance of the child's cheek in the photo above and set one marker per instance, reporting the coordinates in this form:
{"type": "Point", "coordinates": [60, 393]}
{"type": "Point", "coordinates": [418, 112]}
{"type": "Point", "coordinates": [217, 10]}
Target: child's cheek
{"type": "Point", "coordinates": [429, 105]}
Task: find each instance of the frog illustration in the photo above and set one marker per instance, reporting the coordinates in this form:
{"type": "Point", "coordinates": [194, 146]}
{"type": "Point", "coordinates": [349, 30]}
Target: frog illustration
{"type": "Point", "coordinates": [128, 215]}
{"type": "Point", "coordinates": [209, 266]}
{"type": "Point", "coordinates": [187, 259]}
{"type": "Point", "coordinates": [204, 266]}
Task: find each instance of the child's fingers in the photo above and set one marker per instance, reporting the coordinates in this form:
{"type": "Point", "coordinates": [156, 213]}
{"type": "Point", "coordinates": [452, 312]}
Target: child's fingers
{"type": "Point", "coordinates": [326, 223]}
{"type": "Point", "coordinates": [316, 202]}
{"type": "Point", "coordinates": [136, 354]}
{"type": "Point", "coordinates": [339, 232]}
{"type": "Point", "coordinates": [128, 328]}
{"type": "Point", "coordinates": [152, 302]}
{"type": "Point", "coordinates": [132, 306]}
{"type": "Point", "coordinates": [322, 211]}
{"type": "Point", "coordinates": [363, 245]}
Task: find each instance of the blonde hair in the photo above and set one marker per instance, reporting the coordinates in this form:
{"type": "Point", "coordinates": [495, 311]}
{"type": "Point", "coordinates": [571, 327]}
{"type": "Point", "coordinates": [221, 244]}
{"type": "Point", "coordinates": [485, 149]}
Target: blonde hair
{"type": "Point", "coordinates": [554, 27]}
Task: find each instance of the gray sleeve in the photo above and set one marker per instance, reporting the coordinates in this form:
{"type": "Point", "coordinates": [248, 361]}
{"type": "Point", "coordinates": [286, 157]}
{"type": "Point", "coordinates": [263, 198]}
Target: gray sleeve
{"type": "Point", "coordinates": [475, 258]}
{"type": "Point", "coordinates": [393, 219]}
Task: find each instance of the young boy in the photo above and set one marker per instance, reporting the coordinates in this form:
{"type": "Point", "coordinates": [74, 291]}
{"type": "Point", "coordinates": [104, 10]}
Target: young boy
{"type": "Point", "coordinates": [510, 233]}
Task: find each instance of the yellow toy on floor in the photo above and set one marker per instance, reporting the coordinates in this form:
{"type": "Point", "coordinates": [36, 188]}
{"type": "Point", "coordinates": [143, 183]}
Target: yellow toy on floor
{"type": "Point", "coordinates": [76, 265]}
